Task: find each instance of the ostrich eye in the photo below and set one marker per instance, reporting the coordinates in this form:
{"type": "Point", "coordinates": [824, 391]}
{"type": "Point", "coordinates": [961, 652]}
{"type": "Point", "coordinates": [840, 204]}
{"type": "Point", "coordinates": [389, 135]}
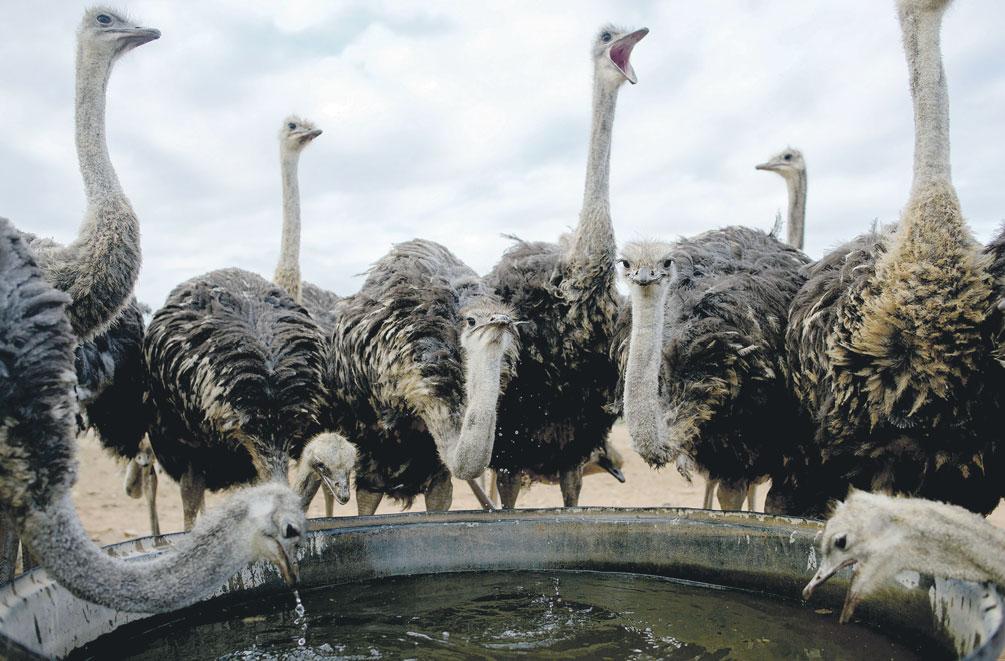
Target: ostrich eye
{"type": "Point", "coordinates": [788, 157]}
{"type": "Point", "coordinates": [624, 263]}
{"type": "Point", "coordinates": [104, 19]}
{"type": "Point", "coordinates": [667, 263]}
{"type": "Point", "coordinates": [606, 37]}
{"type": "Point", "coordinates": [291, 531]}
{"type": "Point", "coordinates": [291, 126]}
{"type": "Point", "coordinates": [841, 541]}
{"type": "Point", "coordinates": [470, 320]}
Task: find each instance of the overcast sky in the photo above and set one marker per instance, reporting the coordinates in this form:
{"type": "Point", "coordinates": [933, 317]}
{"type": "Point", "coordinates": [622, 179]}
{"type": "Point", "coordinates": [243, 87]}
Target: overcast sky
{"type": "Point", "coordinates": [461, 121]}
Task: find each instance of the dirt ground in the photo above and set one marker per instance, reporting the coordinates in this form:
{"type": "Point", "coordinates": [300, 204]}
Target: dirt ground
{"type": "Point", "coordinates": [111, 516]}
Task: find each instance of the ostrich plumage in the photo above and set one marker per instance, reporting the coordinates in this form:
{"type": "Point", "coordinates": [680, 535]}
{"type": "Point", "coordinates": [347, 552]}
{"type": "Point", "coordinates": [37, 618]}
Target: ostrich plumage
{"type": "Point", "coordinates": [717, 398]}
{"type": "Point", "coordinates": [111, 383]}
{"type": "Point", "coordinates": [399, 363]}
{"type": "Point", "coordinates": [557, 411]}
{"type": "Point", "coordinates": [235, 375]}
{"type": "Point", "coordinates": [38, 406]}
{"type": "Point", "coordinates": [891, 340]}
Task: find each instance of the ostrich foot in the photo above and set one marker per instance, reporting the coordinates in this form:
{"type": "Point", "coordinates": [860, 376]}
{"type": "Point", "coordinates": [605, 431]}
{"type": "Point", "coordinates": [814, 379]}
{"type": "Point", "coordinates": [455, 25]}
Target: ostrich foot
{"type": "Point", "coordinates": [508, 484]}
{"type": "Point", "coordinates": [440, 495]}
{"type": "Point", "coordinates": [570, 481]}
{"type": "Point", "coordinates": [193, 496]}
{"type": "Point", "coordinates": [367, 501]}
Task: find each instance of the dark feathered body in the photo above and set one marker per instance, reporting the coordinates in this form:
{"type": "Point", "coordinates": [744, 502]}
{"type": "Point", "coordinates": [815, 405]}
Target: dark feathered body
{"type": "Point", "coordinates": [891, 347]}
{"type": "Point", "coordinates": [396, 346]}
{"type": "Point", "coordinates": [559, 408]}
{"type": "Point", "coordinates": [36, 380]}
{"type": "Point", "coordinates": [723, 377]}
{"type": "Point", "coordinates": [111, 383]}
{"type": "Point", "coordinates": [235, 368]}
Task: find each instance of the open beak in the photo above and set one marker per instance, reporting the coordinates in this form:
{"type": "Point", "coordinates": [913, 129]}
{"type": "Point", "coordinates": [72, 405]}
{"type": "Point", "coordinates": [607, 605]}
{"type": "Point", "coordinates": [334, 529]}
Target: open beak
{"type": "Point", "coordinates": [339, 490]}
{"type": "Point", "coordinates": [822, 576]}
{"type": "Point", "coordinates": [289, 569]}
{"type": "Point", "coordinates": [620, 53]}
{"type": "Point", "coordinates": [605, 463]}
{"type": "Point", "coordinates": [139, 36]}
{"type": "Point", "coordinates": [307, 136]}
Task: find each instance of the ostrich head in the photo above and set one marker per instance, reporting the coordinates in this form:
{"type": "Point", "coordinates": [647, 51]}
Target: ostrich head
{"type": "Point", "coordinates": [612, 50]}
{"type": "Point", "coordinates": [297, 133]}
{"type": "Point", "coordinates": [788, 163]}
{"type": "Point", "coordinates": [331, 458]}
{"type": "Point", "coordinates": [109, 33]}
{"type": "Point", "coordinates": [486, 325]}
{"type": "Point", "coordinates": [273, 523]}
{"type": "Point", "coordinates": [863, 533]}
{"type": "Point", "coordinates": [143, 461]}
{"type": "Point", "coordinates": [643, 264]}
{"type": "Point", "coordinates": [606, 458]}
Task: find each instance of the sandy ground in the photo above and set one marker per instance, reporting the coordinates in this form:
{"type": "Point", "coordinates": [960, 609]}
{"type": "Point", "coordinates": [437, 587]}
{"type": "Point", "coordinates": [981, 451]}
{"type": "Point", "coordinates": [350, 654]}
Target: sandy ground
{"type": "Point", "coordinates": [111, 516]}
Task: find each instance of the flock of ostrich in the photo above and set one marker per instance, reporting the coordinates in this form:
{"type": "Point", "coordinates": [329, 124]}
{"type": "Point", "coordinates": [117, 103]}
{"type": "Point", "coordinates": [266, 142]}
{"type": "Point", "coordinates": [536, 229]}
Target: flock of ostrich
{"type": "Point", "coordinates": [878, 367]}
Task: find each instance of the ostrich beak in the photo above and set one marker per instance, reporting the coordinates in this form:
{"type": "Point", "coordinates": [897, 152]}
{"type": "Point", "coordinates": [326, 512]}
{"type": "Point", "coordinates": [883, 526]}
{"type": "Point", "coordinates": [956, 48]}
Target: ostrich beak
{"type": "Point", "coordinates": [770, 166]}
{"type": "Point", "coordinates": [621, 50]}
{"type": "Point", "coordinates": [644, 276]}
{"type": "Point", "coordinates": [138, 36]}
{"type": "Point", "coordinates": [823, 575]}
{"type": "Point", "coordinates": [289, 569]}
{"type": "Point", "coordinates": [605, 463]}
{"type": "Point", "coordinates": [337, 488]}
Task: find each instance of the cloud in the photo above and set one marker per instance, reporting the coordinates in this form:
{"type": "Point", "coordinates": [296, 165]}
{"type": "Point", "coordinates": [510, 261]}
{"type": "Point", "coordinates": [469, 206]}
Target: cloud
{"type": "Point", "coordinates": [459, 122]}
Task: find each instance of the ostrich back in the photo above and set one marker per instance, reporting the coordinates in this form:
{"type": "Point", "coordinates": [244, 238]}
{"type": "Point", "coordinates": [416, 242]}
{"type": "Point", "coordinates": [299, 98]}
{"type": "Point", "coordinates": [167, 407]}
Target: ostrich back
{"type": "Point", "coordinates": [557, 409]}
{"type": "Point", "coordinates": [111, 383]}
{"type": "Point", "coordinates": [881, 432]}
{"type": "Point", "coordinates": [722, 381]}
{"type": "Point", "coordinates": [321, 304]}
{"type": "Point", "coordinates": [396, 345]}
{"type": "Point", "coordinates": [37, 406]}
{"type": "Point", "coordinates": [235, 369]}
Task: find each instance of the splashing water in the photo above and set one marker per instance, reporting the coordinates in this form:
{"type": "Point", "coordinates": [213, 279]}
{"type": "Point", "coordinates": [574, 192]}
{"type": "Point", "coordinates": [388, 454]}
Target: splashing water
{"type": "Point", "coordinates": [300, 620]}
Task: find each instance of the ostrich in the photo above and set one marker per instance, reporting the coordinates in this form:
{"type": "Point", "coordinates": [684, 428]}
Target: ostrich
{"type": "Point", "coordinates": [890, 339]}
{"type": "Point", "coordinates": [881, 536]}
{"type": "Point", "coordinates": [37, 408]}
{"type": "Point", "coordinates": [420, 354]}
{"type": "Point", "coordinates": [235, 371]}
{"type": "Point", "coordinates": [704, 361]}
{"type": "Point", "coordinates": [141, 480]}
{"type": "Point", "coordinates": [789, 163]}
{"type": "Point", "coordinates": [555, 412]}
{"type": "Point", "coordinates": [98, 270]}
{"type": "Point", "coordinates": [328, 460]}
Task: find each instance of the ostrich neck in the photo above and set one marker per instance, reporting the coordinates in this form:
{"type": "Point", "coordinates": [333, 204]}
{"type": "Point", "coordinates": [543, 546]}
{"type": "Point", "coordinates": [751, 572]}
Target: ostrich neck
{"type": "Point", "coordinates": [100, 179]}
{"type": "Point", "coordinates": [929, 93]}
{"type": "Point", "coordinates": [288, 270]}
{"type": "Point", "coordinates": [594, 239]}
{"type": "Point", "coordinates": [643, 410]}
{"type": "Point", "coordinates": [956, 545]}
{"type": "Point", "coordinates": [467, 452]}
{"type": "Point", "coordinates": [797, 209]}
{"type": "Point", "coordinates": [199, 564]}
{"type": "Point", "coordinates": [305, 483]}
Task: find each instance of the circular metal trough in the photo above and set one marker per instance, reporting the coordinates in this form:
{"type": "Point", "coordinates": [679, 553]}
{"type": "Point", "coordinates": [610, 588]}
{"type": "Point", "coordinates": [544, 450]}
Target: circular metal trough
{"type": "Point", "coordinates": [769, 554]}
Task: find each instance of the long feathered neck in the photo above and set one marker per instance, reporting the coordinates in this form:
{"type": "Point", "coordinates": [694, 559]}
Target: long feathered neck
{"type": "Point", "coordinates": [100, 267]}
{"type": "Point", "coordinates": [288, 270]}
{"type": "Point", "coordinates": [594, 238]}
{"type": "Point", "coordinates": [643, 409]}
{"type": "Point", "coordinates": [929, 91]}
{"type": "Point", "coordinates": [196, 568]}
{"type": "Point", "coordinates": [796, 229]}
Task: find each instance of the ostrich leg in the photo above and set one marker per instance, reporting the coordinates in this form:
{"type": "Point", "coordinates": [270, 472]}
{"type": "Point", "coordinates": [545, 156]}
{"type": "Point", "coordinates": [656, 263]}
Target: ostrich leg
{"type": "Point", "coordinates": [150, 492]}
{"type": "Point", "coordinates": [8, 548]}
{"type": "Point", "coordinates": [571, 483]}
{"type": "Point", "coordinates": [367, 501]}
{"type": "Point", "coordinates": [710, 485]}
{"type": "Point", "coordinates": [731, 494]}
{"type": "Point", "coordinates": [329, 502]}
{"type": "Point", "coordinates": [752, 497]}
{"type": "Point", "coordinates": [440, 494]}
{"type": "Point", "coordinates": [508, 483]}
{"type": "Point", "coordinates": [193, 496]}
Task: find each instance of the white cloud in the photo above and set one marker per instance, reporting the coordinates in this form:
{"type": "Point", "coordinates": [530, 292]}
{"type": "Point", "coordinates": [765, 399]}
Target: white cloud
{"type": "Point", "coordinates": [460, 121]}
